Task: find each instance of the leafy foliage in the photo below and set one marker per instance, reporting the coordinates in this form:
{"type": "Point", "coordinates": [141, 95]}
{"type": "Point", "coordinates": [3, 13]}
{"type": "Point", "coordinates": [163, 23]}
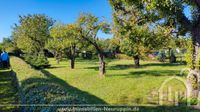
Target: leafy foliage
{"type": "Point", "coordinates": [57, 43]}
{"type": "Point", "coordinates": [32, 32]}
{"type": "Point", "coordinates": [171, 13]}
{"type": "Point", "coordinates": [37, 61]}
{"type": "Point", "coordinates": [188, 55]}
{"type": "Point", "coordinates": [65, 41]}
{"type": "Point", "coordinates": [137, 33]}
{"type": "Point", "coordinates": [7, 44]}
{"type": "Point", "coordinates": [88, 27]}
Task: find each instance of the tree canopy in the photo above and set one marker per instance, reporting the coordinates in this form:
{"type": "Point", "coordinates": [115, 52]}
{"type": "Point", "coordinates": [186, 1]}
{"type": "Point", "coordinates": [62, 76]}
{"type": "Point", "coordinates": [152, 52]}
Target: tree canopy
{"type": "Point", "coordinates": [89, 26]}
{"type": "Point", "coordinates": [32, 32]}
{"type": "Point", "coordinates": [137, 33]}
{"type": "Point", "coordinates": [169, 13]}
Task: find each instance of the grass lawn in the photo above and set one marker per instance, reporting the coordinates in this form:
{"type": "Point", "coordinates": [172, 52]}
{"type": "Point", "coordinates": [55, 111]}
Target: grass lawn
{"type": "Point", "coordinates": [123, 83]}
{"type": "Point", "coordinates": [8, 92]}
{"type": "Point", "coordinates": [40, 87]}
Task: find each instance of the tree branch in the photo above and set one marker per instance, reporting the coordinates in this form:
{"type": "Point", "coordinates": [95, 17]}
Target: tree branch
{"type": "Point", "coordinates": [197, 3]}
{"type": "Point", "coordinates": [91, 42]}
{"type": "Point", "coordinates": [181, 18]}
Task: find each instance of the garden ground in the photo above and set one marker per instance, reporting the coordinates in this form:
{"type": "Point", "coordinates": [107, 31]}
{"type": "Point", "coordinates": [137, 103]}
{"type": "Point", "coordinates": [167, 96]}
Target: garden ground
{"type": "Point", "coordinates": [123, 84]}
{"type": "Point", "coordinates": [8, 91]}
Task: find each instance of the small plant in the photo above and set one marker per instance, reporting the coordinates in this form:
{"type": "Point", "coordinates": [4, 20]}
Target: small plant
{"type": "Point", "coordinates": [37, 61]}
{"type": "Point", "coordinates": [191, 101]}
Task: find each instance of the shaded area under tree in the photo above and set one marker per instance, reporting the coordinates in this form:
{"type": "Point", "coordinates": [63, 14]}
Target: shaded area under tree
{"type": "Point", "coordinates": [51, 90]}
{"type": "Point", "coordinates": [8, 91]}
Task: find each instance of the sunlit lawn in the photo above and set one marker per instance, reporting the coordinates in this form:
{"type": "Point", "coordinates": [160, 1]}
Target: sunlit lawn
{"type": "Point", "coordinates": [123, 83]}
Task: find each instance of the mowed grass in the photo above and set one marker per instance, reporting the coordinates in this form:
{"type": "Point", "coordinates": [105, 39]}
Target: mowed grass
{"type": "Point", "coordinates": [8, 92]}
{"type": "Point", "coordinates": [41, 87]}
{"type": "Point", "coordinates": [123, 83]}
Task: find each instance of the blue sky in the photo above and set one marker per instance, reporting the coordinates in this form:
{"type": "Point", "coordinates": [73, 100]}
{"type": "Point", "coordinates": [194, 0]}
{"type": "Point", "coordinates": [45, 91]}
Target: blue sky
{"type": "Point", "coordinates": [65, 11]}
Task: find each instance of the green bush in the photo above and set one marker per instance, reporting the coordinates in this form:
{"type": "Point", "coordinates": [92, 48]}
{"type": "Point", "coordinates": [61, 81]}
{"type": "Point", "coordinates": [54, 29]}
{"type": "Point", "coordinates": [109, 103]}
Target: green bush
{"type": "Point", "coordinates": [37, 61]}
{"type": "Point", "coordinates": [192, 101]}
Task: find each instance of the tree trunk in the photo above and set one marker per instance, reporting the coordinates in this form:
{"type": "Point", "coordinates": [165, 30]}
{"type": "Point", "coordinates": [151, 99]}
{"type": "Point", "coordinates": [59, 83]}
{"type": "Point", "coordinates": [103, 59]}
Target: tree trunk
{"type": "Point", "coordinates": [57, 57]}
{"type": "Point", "coordinates": [194, 75]}
{"type": "Point", "coordinates": [73, 56]}
{"type": "Point", "coordinates": [195, 70]}
{"type": "Point", "coordinates": [72, 63]}
{"type": "Point", "coordinates": [102, 69]}
{"type": "Point", "coordinates": [172, 57]}
{"type": "Point", "coordinates": [137, 61]}
{"type": "Point", "coordinates": [57, 61]}
{"type": "Point", "coordinates": [169, 52]}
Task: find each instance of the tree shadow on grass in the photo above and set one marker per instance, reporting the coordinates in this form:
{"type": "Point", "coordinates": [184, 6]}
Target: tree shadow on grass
{"type": "Point", "coordinates": [161, 64]}
{"type": "Point", "coordinates": [8, 92]}
{"type": "Point", "coordinates": [53, 91]}
{"type": "Point", "coordinates": [121, 67]}
{"type": "Point", "coordinates": [128, 66]}
{"type": "Point", "coordinates": [91, 99]}
{"type": "Point", "coordinates": [93, 68]}
{"type": "Point", "coordinates": [53, 67]}
{"type": "Point", "coordinates": [115, 67]}
{"type": "Point", "coordinates": [137, 74]}
{"type": "Point", "coordinates": [154, 73]}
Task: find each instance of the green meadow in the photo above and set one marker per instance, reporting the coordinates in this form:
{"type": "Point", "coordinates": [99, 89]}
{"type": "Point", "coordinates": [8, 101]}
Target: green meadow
{"type": "Point", "coordinates": [122, 85]}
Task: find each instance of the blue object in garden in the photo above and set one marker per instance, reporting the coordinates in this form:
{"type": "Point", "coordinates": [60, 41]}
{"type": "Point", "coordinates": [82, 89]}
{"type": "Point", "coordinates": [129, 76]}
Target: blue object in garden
{"type": "Point", "coordinates": [5, 59]}
{"type": "Point", "coordinates": [4, 56]}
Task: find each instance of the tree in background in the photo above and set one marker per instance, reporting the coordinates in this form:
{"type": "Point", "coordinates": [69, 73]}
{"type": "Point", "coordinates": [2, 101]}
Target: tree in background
{"type": "Point", "coordinates": [185, 47]}
{"type": "Point", "coordinates": [137, 33]}
{"type": "Point", "coordinates": [73, 42]}
{"type": "Point", "coordinates": [30, 35]}
{"type": "Point", "coordinates": [8, 45]}
{"type": "Point", "coordinates": [115, 45]}
{"type": "Point", "coordinates": [65, 37]}
{"type": "Point", "coordinates": [171, 13]}
{"type": "Point", "coordinates": [32, 32]}
{"type": "Point", "coordinates": [171, 45]}
{"type": "Point", "coordinates": [111, 47]}
{"type": "Point", "coordinates": [89, 26]}
{"type": "Point", "coordinates": [55, 46]}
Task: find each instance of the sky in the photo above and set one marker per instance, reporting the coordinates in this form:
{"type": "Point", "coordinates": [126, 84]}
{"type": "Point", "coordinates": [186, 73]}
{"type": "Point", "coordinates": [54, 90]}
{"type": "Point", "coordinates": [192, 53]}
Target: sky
{"type": "Point", "coordinates": [66, 11]}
